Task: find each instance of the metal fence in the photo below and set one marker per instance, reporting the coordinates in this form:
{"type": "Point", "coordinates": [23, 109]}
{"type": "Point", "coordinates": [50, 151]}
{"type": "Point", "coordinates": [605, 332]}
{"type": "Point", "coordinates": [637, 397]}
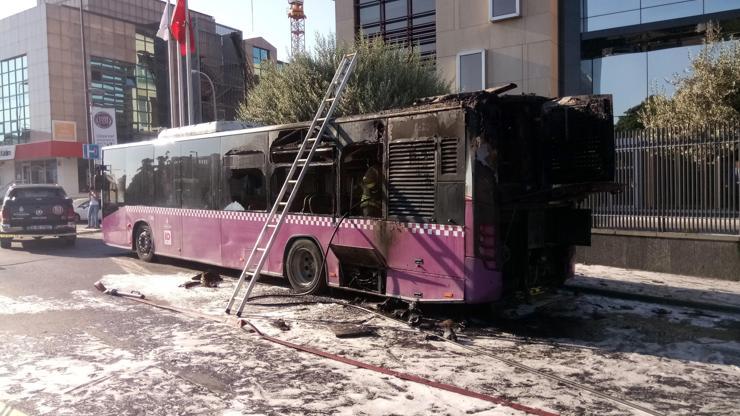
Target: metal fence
{"type": "Point", "coordinates": [684, 180]}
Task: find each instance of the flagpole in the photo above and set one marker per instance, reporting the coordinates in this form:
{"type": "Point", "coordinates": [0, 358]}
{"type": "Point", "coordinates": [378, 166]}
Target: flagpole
{"type": "Point", "coordinates": [180, 89]}
{"type": "Point", "coordinates": [189, 64]}
{"type": "Point", "coordinates": [171, 68]}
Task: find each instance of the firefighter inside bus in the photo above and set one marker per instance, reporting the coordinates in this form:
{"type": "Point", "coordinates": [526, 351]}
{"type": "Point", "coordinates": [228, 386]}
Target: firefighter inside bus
{"type": "Point", "coordinates": [362, 180]}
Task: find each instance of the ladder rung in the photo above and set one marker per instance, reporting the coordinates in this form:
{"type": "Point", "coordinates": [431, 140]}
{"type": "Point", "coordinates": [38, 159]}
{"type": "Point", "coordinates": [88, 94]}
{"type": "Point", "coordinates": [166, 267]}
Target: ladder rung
{"type": "Point", "coordinates": [271, 225]}
{"type": "Point", "coordinates": [321, 119]}
{"type": "Point", "coordinates": [312, 139]}
{"type": "Point", "coordinates": [293, 181]}
{"type": "Point", "coordinates": [282, 203]}
{"type": "Point", "coordinates": [261, 249]}
{"type": "Point", "coordinates": [331, 99]}
{"type": "Point", "coordinates": [302, 160]}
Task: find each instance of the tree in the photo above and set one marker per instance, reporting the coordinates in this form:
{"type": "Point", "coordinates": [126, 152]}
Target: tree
{"type": "Point", "coordinates": [708, 95]}
{"type": "Point", "coordinates": [386, 76]}
{"type": "Point", "coordinates": [631, 119]}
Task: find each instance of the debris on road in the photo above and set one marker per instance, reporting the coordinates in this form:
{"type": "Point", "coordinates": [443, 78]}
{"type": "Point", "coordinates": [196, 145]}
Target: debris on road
{"type": "Point", "coordinates": [115, 292]}
{"type": "Point", "coordinates": [448, 326]}
{"type": "Point", "coordinates": [209, 278]}
{"type": "Point", "coordinates": [352, 331]}
{"type": "Point", "coordinates": [281, 325]}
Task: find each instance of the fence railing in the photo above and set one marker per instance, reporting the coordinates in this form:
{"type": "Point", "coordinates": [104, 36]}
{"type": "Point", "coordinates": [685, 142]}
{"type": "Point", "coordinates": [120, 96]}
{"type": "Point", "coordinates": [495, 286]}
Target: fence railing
{"type": "Point", "coordinates": [684, 180]}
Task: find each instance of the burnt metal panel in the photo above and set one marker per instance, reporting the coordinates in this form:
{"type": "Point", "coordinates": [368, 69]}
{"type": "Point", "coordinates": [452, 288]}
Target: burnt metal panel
{"type": "Point", "coordinates": [411, 178]}
{"type": "Point", "coordinates": [579, 140]}
{"type": "Point", "coordinates": [571, 226]}
{"type": "Point", "coordinates": [358, 256]}
{"type": "Point", "coordinates": [450, 207]}
{"type": "Point", "coordinates": [449, 163]}
{"type": "Point", "coordinates": [245, 160]}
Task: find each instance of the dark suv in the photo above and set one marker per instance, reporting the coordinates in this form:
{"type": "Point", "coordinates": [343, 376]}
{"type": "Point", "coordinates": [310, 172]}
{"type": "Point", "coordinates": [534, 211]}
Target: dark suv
{"type": "Point", "coordinates": [35, 212]}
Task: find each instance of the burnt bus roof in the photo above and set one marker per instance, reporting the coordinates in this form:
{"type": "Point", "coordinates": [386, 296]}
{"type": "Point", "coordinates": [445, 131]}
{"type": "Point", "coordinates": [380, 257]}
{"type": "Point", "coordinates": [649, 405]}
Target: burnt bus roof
{"type": "Point", "coordinates": [424, 105]}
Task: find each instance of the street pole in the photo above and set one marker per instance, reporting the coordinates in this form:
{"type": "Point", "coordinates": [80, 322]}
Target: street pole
{"type": "Point", "coordinates": [188, 63]}
{"type": "Point", "coordinates": [86, 83]}
{"type": "Point", "coordinates": [213, 88]}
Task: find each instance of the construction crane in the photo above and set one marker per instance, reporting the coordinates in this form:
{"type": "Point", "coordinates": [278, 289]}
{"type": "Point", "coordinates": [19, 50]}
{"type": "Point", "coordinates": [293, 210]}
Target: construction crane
{"type": "Point", "coordinates": [297, 27]}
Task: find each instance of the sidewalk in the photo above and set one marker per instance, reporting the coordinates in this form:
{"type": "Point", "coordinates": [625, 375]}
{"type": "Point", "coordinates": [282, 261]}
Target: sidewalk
{"type": "Point", "coordinates": [672, 288]}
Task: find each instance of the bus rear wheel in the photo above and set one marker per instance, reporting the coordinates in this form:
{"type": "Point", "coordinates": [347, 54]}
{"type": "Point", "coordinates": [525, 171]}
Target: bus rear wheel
{"type": "Point", "coordinates": [6, 243]}
{"type": "Point", "coordinates": [144, 243]}
{"type": "Point", "coordinates": [302, 266]}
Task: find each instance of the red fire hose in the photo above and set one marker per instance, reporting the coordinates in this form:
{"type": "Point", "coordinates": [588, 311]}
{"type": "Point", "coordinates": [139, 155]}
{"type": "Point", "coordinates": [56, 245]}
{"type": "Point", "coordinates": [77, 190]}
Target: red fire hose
{"type": "Point", "coordinates": [240, 322]}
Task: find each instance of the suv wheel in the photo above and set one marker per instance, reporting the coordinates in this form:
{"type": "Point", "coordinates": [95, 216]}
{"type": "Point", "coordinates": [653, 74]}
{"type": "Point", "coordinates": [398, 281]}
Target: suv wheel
{"type": "Point", "coordinates": [5, 243]}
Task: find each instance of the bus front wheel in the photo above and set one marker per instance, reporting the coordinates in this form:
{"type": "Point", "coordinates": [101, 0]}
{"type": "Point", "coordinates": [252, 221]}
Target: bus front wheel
{"type": "Point", "coordinates": [144, 243]}
{"type": "Point", "coordinates": [302, 265]}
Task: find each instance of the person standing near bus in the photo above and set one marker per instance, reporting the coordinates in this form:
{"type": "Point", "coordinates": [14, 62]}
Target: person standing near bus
{"type": "Point", "coordinates": [93, 210]}
{"type": "Point", "coordinates": [370, 201]}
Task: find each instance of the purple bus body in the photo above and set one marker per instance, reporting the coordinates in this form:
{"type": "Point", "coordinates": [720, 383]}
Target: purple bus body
{"type": "Point", "coordinates": [521, 163]}
{"type": "Point", "coordinates": [424, 261]}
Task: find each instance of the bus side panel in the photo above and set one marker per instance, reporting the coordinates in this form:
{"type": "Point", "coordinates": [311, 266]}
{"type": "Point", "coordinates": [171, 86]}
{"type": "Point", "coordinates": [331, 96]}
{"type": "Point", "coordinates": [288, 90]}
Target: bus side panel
{"type": "Point", "coordinates": [424, 260]}
{"type": "Point", "coordinates": [167, 232]}
{"type": "Point", "coordinates": [201, 236]}
{"type": "Point", "coordinates": [115, 228]}
{"type": "Point", "coordinates": [239, 230]}
{"type": "Point", "coordinates": [316, 228]}
{"type": "Point", "coordinates": [424, 286]}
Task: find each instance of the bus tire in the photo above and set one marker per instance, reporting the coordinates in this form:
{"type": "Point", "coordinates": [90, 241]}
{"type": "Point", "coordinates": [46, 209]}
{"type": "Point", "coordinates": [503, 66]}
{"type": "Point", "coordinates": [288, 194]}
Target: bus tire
{"type": "Point", "coordinates": [6, 243]}
{"type": "Point", "coordinates": [69, 241]}
{"type": "Point", "coordinates": [302, 266]}
{"type": "Point", "coordinates": [144, 243]}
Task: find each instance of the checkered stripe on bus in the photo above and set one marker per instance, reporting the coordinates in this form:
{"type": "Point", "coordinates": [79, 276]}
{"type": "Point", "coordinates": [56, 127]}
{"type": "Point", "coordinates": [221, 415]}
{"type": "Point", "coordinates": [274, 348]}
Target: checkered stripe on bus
{"type": "Point", "coordinates": [436, 229]}
{"type": "Point", "coordinates": [442, 230]}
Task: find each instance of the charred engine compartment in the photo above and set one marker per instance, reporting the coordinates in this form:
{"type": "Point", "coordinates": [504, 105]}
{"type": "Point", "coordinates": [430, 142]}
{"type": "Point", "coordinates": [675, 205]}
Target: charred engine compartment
{"type": "Point", "coordinates": [535, 160]}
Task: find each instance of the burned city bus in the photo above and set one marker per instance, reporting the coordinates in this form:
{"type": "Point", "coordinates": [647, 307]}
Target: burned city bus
{"type": "Point", "coordinates": [463, 198]}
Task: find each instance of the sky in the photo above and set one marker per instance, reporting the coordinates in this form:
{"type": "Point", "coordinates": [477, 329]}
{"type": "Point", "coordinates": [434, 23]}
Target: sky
{"type": "Point", "coordinates": [270, 18]}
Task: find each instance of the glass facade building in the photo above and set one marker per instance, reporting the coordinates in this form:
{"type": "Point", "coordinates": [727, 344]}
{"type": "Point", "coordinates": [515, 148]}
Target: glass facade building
{"type": "Point", "coordinates": [15, 119]}
{"type": "Point", "coordinates": [634, 48]}
{"type": "Point", "coordinates": [259, 55]}
{"type": "Point", "coordinates": [607, 14]}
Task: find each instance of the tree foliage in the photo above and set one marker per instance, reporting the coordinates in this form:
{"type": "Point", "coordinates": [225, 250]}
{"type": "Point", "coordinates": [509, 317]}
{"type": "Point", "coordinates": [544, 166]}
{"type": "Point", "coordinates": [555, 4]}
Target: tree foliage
{"type": "Point", "coordinates": [386, 76]}
{"type": "Point", "coordinates": [631, 119]}
{"type": "Point", "coordinates": [708, 94]}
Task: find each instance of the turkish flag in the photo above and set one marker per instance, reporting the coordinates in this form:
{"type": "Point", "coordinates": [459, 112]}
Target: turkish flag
{"type": "Point", "coordinates": [179, 19]}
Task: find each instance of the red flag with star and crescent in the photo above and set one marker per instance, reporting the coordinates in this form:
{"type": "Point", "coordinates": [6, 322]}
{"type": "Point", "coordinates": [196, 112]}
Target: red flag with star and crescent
{"type": "Point", "coordinates": [179, 19]}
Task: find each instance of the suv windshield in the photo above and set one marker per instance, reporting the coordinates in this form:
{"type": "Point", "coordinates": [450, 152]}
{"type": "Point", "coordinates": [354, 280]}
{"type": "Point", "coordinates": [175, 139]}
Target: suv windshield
{"type": "Point", "coordinates": [29, 193]}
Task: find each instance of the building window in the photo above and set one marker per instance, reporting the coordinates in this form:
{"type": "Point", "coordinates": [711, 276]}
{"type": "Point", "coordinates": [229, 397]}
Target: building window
{"type": "Point", "coordinates": [407, 22]}
{"type": "Point", "coordinates": [15, 124]}
{"type": "Point", "coordinates": [111, 86]}
{"type": "Point", "coordinates": [36, 172]}
{"type": "Point", "coordinates": [145, 108]}
{"type": "Point", "coordinates": [504, 9]}
{"type": "Point", "coordinates": [607, 14]}
{"type": "Point", "coordinates": [259, 55]}
{"type": "Point", "coordinates": [471, 71]}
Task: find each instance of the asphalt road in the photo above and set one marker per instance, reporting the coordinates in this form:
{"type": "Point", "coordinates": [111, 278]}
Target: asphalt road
{"type": "Point", "coordinates": [69, 350]}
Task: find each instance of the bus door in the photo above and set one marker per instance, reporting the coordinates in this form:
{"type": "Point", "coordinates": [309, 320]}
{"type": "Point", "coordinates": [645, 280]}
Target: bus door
{"type": "Point", "coordinates": [167, 226]}
{"type": "Point", "coordinates": [244, 202]}
{"type": "Point", "coordinates": [200, 184]}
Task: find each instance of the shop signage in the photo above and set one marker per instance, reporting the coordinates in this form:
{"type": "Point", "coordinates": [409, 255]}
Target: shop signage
{"type": "Point", "coordinates": [65, 131]}
{"type": "Point", "coordinates": [7, 152]}
{"type": "Point", "coordinates": [104, 126]}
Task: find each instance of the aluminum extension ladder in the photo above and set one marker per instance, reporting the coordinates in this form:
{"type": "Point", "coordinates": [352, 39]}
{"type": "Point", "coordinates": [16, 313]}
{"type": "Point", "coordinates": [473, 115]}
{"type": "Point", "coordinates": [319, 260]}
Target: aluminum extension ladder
{"type": "Point", "coordinates": [292, 183]}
